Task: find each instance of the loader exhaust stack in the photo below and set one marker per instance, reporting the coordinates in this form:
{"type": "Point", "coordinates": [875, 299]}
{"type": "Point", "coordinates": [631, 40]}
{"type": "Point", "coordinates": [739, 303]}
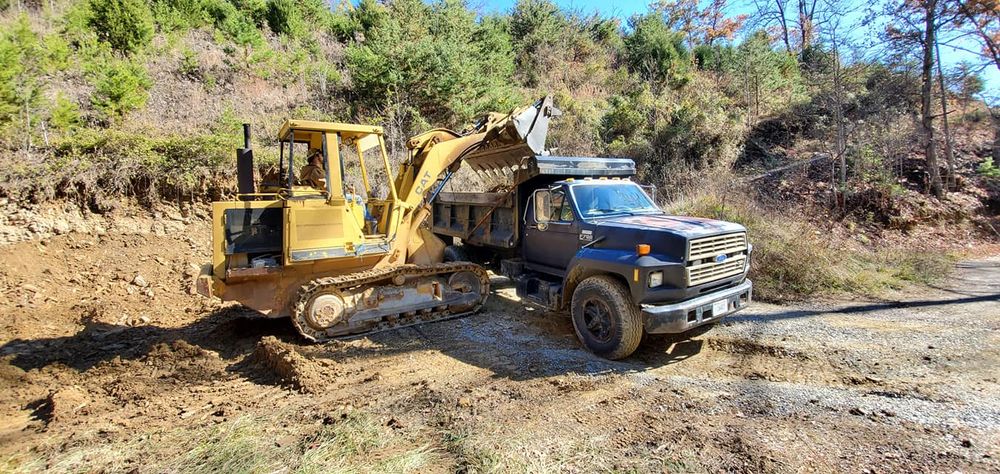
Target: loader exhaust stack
{"type": "Point", "coordinates": [244, 164]}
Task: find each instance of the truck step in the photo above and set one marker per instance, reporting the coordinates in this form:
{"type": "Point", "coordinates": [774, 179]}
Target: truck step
{"type": "Point", "coordinates": [512, 268]}
{"type": "Point", "coordinates": [539, 291]}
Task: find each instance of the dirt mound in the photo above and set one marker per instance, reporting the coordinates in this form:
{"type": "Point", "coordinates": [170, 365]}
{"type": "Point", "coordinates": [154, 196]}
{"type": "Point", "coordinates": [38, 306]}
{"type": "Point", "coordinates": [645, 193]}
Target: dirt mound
{"type": "Point", "coordinates": [288, 366]}
{"type": "Point", "coordinates": [66, 403]}
{"type": "Point", "coordinates": [58, 285]}
{"type": "Point", "coordinates": [905, 210]}
{"type": "Point", "coordinates": [187, 362]}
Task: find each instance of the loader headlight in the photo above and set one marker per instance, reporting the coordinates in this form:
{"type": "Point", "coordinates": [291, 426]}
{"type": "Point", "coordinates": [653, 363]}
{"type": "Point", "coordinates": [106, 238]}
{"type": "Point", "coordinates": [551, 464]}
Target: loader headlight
{"type": "Point", "coordinates": [655, 279]}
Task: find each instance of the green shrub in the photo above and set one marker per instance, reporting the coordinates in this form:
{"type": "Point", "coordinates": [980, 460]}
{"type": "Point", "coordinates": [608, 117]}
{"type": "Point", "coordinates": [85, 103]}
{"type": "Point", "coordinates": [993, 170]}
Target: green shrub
{"type": "Point", "coordinates": [656, 52]}
{"type": "Point", "coordinates": [285, 18]}
{"type": "Point", "coordinates": [189, 66]}
{"type": "Point", "coordinates": [126, 25]}
{"type": "Point", "coordinates": [23, 58]}
{"type": "Point", "coordinates": [179, 15]}
{"type": "Point", "coordinates": [241, 30]}
{"type": "Point", "coordinates": [65, 114]}
{"type": "Point", "coordinates": [343, 25]}
{"type": "Point", "coordinates": [113, 163]}
{"type": "Point", "coordinates": [624, 119]}
{"type": "Point", "coordinates": [119, 88]}
{"type": "Point", "coordinates": [434, 60]}
{"type": "Point", "coordinates": [534, 25]}
{"type": "Point", "coordinates": [988, 168]}
{"type": "Point", "coordinates": [766, 79]}
{"type": "Point", "coordinates": [713, 58]}
{"type": "Point", "coordinates": [57, 53]}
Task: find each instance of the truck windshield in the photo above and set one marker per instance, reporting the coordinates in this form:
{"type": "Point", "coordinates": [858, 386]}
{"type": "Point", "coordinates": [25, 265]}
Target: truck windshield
{"type": "Point", "coordinates": [597, 200]}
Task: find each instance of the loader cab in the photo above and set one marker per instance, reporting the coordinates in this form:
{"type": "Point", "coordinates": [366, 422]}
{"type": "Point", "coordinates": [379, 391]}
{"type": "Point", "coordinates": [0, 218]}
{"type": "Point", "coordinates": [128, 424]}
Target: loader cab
{"type": "Point", "coordinates": [356, 170]}
{"type": "Point", "coordinates": [348, 221]}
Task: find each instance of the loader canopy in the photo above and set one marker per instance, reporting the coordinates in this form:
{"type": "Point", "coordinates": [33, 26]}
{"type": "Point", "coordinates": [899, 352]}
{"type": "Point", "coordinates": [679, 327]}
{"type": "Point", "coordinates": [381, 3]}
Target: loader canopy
{"type": "Point", "coordinates": [349, 150]}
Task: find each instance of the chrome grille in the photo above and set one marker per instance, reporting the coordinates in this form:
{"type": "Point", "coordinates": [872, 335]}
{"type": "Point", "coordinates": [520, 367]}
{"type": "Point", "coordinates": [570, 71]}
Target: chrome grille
{"type": "Point", "coordinates": [707, 272]}
{"type": "Point", "coordinates": [702, 266]}
{"type": "Point", "coordinates": [712, 246]}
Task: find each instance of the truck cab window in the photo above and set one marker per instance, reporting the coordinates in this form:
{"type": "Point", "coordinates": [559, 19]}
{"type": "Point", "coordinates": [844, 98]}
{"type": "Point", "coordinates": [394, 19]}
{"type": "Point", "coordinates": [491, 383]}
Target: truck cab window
{"type": "Point", "coordinates": [612, 199]}
{"type": "Point", "coordinates": [552, 206]}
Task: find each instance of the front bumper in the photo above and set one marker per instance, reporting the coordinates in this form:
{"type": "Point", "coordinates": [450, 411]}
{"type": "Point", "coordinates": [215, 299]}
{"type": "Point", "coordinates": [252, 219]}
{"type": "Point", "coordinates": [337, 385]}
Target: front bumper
{"type": "Point", "coordinates": [686, 315]}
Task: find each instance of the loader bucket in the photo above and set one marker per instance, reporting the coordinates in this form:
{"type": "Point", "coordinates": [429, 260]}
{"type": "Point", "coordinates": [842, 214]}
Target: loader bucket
{"type": "Point", "coordinates": [514, 140]}
{"type": "Point", "coordinates": [532, 124]}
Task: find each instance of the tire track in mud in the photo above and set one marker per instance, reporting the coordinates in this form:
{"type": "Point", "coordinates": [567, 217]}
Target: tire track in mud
{"type": "Point", "coordinates": [754, 375]}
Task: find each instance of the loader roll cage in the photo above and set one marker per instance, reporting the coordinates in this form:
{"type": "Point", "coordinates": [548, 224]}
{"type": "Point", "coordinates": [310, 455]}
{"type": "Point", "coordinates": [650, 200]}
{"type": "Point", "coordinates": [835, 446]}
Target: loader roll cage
{"type": "Point", "coordinates": [330, 138]}
{"type": "Point", "coordinates": [320, 135]}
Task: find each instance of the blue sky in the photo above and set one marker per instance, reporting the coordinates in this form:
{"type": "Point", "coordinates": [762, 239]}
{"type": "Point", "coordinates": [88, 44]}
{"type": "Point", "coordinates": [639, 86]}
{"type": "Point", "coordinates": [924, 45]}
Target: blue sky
{"type": "Point", "coordinates": [625, 8]}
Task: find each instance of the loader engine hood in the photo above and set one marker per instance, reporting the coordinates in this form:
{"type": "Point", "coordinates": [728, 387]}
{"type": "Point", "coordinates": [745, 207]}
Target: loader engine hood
{"type": "Point", "coordinates": [667, 235]}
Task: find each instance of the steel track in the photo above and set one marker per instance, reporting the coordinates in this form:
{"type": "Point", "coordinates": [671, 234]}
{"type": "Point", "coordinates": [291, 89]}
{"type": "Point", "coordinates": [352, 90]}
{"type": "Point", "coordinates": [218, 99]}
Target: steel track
{"type": "Point", "coordinates": [345, 284]}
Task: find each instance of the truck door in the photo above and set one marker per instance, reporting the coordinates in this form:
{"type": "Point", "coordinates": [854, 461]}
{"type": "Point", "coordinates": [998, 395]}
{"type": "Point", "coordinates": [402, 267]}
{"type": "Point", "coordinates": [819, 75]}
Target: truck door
{"type": "Point", "coordinates": [551, 229]}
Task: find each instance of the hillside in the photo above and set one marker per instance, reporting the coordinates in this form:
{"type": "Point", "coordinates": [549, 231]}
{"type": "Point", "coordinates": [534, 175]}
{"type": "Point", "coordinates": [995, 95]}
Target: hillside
{"type": "Point", "coordinates": [106, 98]}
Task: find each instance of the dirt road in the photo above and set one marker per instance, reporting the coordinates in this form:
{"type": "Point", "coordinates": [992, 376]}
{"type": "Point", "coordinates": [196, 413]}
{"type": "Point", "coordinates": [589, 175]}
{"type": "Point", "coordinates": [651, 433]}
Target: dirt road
{"type": "Point", "coordinates": [110, 373]}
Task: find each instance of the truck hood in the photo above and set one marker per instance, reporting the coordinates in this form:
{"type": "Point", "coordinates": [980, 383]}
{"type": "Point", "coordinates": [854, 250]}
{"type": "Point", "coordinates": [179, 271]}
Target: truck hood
{"type": "Point", "coordinates": [668, 235]}
{"type": "Point", "coordinates": [682, 226]}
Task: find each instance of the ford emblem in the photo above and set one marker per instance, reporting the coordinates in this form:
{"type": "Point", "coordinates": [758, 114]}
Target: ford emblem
{"type": "Point", "coordinates": [721, 258]}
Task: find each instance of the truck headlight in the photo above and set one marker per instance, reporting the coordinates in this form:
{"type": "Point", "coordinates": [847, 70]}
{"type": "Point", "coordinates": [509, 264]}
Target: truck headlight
{"type": "Point", "coordinates": [655, 279]}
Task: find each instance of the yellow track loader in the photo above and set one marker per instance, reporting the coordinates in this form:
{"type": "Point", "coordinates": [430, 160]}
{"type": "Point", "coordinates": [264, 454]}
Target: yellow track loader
{"type": "Point", "coordinates": [343, 258]}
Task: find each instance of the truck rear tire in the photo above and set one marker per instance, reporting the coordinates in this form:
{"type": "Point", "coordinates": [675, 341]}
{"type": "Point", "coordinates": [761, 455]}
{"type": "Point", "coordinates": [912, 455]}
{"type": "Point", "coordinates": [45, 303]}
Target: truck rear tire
{"type": "Point", "coordinates": [455, 253]}
{"type": "Point", "coordinates": [605, 319]}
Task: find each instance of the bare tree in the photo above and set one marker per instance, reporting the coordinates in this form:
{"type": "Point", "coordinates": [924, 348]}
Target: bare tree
{"type": "Point", "coordinates": [834, 36]}
{"type": "Point", "coordinates": [915, 24]}
{"type": "Point", "coordinates": [948, 150]}
{"type": "Point", "coordinates": [774, 13]}
{"type": "Point", "coordinates": [807, 13]}
{"type": "Point", "coordinates": [981, 19]}
{"type": "Point", "coordinates": [995, 116]}
{"type": "Point", "coordinates": [929, 8]}
{"type": "Point", "coordinates": [791, 17]}
{"type": "Point", "coordinates": [834, 40]}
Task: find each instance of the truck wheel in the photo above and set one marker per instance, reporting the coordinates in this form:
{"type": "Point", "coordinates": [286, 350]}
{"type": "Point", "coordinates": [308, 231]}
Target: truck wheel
{"type": "Point", "coordinates": [605, 319]}
{"type": "Point", "coordinates": [454, 253]}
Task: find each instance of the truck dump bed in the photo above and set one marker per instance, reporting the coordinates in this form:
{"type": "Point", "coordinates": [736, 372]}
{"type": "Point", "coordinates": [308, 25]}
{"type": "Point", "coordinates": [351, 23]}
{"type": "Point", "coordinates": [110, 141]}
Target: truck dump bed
{"type": "Point", "coordinates": [494, 219]}
{"type": "Point", "coordinates": [519, 170]}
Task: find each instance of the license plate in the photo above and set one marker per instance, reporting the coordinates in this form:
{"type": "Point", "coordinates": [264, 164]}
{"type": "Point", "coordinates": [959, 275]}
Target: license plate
{"type": "Point", "coordinates": [719, 308]}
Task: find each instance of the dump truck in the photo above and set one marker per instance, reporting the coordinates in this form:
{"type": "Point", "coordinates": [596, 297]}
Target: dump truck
{"type": "Point", "coordinates": [577, 234]}
{"type": "Point", "coordinates": [344, 259]}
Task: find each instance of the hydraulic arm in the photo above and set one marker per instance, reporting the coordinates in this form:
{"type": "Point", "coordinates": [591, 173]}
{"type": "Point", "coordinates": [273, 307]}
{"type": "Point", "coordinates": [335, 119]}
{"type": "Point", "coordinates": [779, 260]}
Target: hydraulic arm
{"type": "Point", "coordinates": [436, 154]}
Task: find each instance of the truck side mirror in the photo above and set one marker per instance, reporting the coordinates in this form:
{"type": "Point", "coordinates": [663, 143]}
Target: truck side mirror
{"type": "Point", "coordinates": [543, 206]}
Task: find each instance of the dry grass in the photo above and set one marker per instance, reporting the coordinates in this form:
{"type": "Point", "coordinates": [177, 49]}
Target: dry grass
{"type": "Point", "coordinates": [794, 259]}
{"type": "Point", "coordinates": [495, 449]}
{"type": "Point", "coordinates": [354, 444]}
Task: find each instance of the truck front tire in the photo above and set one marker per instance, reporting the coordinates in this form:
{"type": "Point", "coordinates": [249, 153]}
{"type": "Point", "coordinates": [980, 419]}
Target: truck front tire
{"type": "Point", "coordinates": [605, 319]}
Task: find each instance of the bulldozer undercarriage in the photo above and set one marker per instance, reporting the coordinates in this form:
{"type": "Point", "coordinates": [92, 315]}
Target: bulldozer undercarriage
{"type": "Point", "coordinates": [380, 299]}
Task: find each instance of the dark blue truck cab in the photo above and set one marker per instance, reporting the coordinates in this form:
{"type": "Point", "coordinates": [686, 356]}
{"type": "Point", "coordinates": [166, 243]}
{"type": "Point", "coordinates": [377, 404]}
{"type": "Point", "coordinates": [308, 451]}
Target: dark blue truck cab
{"type": "Point", "coordinates": [577, 234]}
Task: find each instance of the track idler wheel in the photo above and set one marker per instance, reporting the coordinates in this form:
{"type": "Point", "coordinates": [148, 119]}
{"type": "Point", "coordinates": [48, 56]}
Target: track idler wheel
{"type": "Point", "coordinates": [465, 282]}
{"type": "Point", "coordinates": [326, 310]}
